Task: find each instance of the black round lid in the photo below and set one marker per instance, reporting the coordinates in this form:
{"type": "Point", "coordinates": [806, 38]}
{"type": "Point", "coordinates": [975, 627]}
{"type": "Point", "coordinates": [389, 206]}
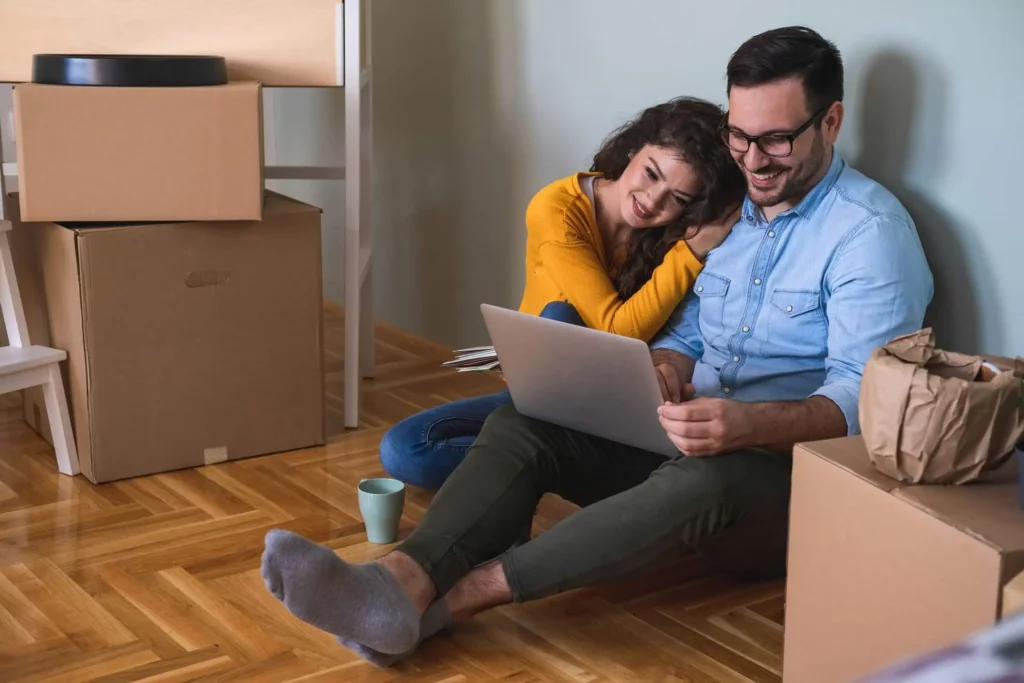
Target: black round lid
{"type": "Point", "coordinates": [130, 70]}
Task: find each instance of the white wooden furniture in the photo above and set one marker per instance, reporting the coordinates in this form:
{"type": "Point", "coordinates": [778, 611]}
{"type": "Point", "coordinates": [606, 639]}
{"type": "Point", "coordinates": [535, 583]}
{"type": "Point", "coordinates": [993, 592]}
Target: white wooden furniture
{"type": "Point", "coordinates": [353, 31]}
{"type": "Point", "coordinates": [243, 31]}
{"type": "Point", "coordinates": [22, 365]}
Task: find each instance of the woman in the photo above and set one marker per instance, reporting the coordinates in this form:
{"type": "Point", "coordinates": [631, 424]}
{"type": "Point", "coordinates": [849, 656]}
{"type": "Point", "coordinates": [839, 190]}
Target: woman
{"type": "Point", "coordinates": [615, 249]}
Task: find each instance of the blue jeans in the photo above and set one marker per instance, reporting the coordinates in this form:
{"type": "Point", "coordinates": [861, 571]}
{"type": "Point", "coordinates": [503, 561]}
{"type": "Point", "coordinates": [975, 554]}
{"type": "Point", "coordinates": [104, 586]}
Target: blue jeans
{"type": "Point", "coordinates": [423, 450]}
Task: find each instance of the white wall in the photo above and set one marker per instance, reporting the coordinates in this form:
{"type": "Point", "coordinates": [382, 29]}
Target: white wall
{"type": "Point", "coordinates": [486, 102]}
{"type": "Point", "coordinates": [305, 127]}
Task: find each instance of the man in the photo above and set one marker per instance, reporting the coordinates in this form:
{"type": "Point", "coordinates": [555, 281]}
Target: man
{"type": "Point", "coordinates": [823, 267]}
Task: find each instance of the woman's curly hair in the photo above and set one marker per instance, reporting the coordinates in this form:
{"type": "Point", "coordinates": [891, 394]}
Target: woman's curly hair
{"type": "Point", "coordinates": [689, 127]}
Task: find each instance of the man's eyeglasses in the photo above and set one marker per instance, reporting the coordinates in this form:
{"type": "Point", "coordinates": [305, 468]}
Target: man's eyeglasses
{"type": "Point", "coordinates": [773, 145]}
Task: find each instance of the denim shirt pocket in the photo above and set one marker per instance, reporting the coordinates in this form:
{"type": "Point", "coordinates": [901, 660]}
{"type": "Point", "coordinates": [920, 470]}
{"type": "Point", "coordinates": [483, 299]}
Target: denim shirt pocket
{"type": "Point", "coordinates": [796, 324]}
{"type": "Point", "coordinates": [711, 289]}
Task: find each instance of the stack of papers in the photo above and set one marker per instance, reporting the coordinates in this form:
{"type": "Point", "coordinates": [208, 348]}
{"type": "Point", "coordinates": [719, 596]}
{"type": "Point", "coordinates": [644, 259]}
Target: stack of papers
{"type": "Point", "coordinates": [476, 359]}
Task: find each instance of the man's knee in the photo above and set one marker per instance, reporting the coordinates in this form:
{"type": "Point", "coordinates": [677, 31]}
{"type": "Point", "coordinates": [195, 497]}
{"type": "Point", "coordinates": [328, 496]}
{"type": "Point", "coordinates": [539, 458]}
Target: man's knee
{"type": "Point", "coordinates": [746, 478]}
{"type": "Point", "coordinates": [505, 429]}
{"type": "Point", "coordinates": [687, 482]}
{"type": "Point", "coordinates": [505, 421]}
{"type": "Point", "coordinates": [509, 432]}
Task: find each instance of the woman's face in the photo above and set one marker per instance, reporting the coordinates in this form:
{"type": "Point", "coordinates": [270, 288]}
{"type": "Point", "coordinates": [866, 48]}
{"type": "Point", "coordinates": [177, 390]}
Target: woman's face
{"type": "Point", "coordinates": [655, 187]}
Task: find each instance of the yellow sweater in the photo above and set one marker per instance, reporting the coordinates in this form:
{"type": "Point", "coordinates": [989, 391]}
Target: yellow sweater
{"type": "Point", "coordinates": [566, 261]}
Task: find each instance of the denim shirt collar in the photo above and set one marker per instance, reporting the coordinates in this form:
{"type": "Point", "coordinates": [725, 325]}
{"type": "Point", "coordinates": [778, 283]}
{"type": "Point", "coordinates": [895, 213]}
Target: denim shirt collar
{"type": "Point", "coordinates": [810, 202]}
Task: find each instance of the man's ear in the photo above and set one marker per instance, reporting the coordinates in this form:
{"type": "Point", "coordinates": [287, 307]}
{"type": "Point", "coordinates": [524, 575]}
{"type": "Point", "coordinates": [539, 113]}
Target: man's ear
{"type": "Point", "coordinates": [832, 122]}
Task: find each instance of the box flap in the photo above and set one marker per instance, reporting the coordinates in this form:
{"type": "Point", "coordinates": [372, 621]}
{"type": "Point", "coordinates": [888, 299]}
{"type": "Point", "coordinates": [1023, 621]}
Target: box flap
{"type": "Point", "coordinates": [274, 205]}
{"type": "Point", "coordinates": [987, 509]}
{"type": "Point", "coordinates": [849, 453]}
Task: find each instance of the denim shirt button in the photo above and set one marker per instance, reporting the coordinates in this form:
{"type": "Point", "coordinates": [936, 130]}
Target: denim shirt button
{"type": "Point", "coordinates": [727, 390]}
{"type": "Point", "coordinates": [746, 328]}
{"type": "Point", "coordinates": [771, 233]}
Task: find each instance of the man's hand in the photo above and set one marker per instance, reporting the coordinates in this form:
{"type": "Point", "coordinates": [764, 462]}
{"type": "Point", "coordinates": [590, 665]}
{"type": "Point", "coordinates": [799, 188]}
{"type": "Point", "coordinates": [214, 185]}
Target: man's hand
{"type": "Point", "coordinates": [674, 372]}
{"type": "Point", "coordinates": [668, 380]}
{"type": "Point", "coordinates": [707, 426]}
{"type": "Point", "coordinates": [712, 426]}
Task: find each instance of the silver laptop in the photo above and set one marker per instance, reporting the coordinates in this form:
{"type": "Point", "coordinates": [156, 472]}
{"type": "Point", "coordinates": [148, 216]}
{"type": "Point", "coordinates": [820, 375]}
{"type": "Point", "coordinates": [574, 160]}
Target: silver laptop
{"type": "Point", "coordinates": [582, 379]}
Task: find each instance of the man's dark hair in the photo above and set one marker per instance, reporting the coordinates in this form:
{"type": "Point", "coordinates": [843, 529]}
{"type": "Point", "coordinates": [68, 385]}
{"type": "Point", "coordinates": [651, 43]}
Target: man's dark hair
{"type": "Point", "coordinates": [790, 52]}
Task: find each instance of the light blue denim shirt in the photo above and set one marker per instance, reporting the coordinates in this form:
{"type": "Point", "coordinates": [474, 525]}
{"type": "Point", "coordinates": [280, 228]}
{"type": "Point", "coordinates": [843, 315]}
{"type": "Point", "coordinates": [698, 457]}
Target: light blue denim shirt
{"type": "Point", "coordinates": [792, 308]}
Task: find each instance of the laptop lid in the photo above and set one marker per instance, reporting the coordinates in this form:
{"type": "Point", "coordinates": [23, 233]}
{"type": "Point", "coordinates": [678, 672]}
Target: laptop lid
{"type": "Point", "coordinates": [582, 379]}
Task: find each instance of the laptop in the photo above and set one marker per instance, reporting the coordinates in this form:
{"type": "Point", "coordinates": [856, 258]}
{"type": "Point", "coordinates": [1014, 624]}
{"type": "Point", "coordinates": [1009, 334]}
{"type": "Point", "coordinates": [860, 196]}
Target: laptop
{"type": "Point", "coordinates": [590, 381]}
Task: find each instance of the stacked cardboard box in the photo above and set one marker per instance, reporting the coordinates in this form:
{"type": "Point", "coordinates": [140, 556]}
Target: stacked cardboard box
{"type": "Point", "coordinates": [188, 298]}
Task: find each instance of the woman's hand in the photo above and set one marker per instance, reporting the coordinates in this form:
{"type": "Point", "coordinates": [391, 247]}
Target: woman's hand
{"type": "Point", "coordinates": [710, 235]}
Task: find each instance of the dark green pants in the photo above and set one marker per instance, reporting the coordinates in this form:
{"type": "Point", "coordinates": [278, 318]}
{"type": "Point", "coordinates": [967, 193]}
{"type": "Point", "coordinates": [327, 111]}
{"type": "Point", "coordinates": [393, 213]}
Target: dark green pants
{"type": "Point", "coordinates": [638, 509]}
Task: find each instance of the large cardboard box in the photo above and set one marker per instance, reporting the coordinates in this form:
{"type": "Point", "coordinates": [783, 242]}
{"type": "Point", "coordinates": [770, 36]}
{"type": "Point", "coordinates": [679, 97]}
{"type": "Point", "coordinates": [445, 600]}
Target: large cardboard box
{"type": "Point", "coordinates": [189, 343]}
{"type": "Point", "coordinates": [139, 154]}
{"type": "Point", "coordinates": [879, 571]}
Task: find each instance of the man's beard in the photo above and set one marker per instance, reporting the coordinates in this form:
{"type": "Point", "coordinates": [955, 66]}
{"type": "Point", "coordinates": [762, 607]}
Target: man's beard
{"type": "Point", "coordinates": [799, 179]}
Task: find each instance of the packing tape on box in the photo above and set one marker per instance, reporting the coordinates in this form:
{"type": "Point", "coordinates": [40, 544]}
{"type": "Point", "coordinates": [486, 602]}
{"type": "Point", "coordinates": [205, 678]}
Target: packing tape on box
{"type": "Point", "coordinates": [212, 456]}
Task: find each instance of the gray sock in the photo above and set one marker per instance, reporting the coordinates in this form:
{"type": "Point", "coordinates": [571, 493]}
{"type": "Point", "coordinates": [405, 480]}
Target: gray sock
{"type": "Point", "coordinates": [435, 620]}
{"type": "Point", "coordinates": [362, 603]}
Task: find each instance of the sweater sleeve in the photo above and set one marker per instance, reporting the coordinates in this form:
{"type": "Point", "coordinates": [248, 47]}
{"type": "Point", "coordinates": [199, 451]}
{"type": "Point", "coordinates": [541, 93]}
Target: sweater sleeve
{"type": "Point", "coordinates": [576, 268]}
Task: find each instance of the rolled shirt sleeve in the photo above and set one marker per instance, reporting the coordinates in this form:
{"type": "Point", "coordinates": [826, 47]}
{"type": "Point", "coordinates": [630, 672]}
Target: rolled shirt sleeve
{"type": "Point", "coordinates": [878, 288]}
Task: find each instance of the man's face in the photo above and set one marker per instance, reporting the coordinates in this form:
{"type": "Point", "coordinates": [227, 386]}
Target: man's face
{"type": "Point", "coordinates": [779, 109]}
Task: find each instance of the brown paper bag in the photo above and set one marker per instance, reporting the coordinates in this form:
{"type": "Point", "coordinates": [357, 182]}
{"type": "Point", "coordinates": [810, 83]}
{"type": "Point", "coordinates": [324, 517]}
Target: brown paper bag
{"type": "Point", "coordinates": [936, 417]}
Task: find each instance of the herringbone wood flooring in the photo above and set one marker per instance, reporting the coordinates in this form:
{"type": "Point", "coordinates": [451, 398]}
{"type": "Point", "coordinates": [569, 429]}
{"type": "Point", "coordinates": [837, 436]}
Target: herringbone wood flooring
{"type": "Point", "coordinates": [157, 578]}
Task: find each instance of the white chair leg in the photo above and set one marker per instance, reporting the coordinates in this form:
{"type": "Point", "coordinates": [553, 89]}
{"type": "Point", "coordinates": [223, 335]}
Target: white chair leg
{"type": "Point", "coordinates": [60, 423]}
{"type": "Point", "coordinates": [10, 296]}
{"type": "Point", "coordinates": [367, 359]}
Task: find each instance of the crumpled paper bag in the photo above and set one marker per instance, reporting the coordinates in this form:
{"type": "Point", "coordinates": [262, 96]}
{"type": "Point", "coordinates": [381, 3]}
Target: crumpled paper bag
{"type": "Point", "coordinates": [935, 417]}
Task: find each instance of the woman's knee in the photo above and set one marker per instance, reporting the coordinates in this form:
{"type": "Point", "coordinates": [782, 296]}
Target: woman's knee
{"type": "Point", "coordinates": [402, 452]}
{"type": "Point", "coordinates": [562, 311]}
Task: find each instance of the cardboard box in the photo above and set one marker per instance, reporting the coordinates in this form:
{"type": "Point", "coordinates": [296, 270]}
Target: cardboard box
{"type": "Point", "coordinates": [188, 344]}
{"type": "Point", "coordinates": [139, 154]}
{"type": "Point", "coordinates": [276, 42]}
{"type": "Point", "coordinates": [880, 571]}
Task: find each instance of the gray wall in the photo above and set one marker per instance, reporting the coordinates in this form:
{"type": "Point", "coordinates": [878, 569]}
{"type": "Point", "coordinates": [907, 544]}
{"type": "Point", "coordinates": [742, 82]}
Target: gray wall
{"type": "Point", "coordinates": [481, 103]}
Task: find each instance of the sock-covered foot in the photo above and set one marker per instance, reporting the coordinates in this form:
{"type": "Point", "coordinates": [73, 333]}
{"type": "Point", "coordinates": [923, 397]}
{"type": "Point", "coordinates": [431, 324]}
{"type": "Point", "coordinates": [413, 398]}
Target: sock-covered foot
{"type": "Point", "coordinates": [435, 620]}
{"type": "Point", "coordinates": [362, 603]}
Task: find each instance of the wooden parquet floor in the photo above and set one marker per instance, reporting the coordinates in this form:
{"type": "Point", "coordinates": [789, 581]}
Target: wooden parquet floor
{"type": "Point", "coordinates": [157, 579]}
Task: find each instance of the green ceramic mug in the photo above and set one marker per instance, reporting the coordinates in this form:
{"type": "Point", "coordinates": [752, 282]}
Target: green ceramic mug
{"type": "Point", "coordinates": [381, 502]}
